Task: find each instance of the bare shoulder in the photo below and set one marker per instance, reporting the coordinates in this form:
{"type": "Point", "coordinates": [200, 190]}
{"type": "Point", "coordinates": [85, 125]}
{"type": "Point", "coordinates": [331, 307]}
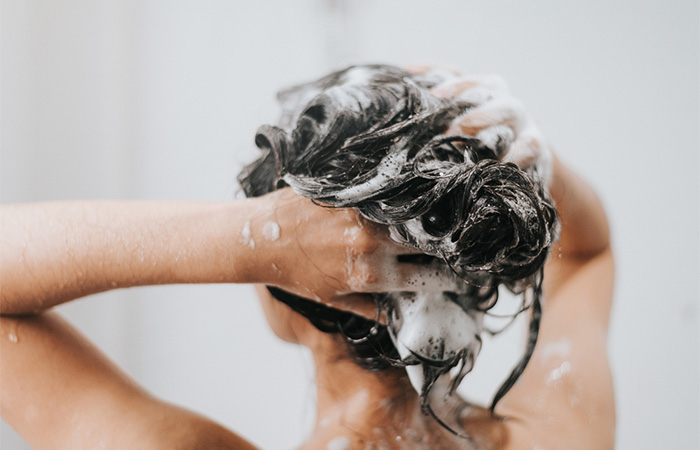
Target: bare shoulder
{"type": "Point", "coordinates": [564, 398]}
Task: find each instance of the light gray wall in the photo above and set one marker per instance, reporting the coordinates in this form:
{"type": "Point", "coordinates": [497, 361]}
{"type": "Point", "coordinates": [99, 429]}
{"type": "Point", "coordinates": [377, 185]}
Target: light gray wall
{"type": "Point", "coordinates": [160, 100]}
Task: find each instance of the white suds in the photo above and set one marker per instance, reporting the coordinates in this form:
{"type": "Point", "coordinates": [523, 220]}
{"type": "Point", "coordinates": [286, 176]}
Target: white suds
{"type": "Point", "coordinates": [415, 374]}
{"type": "Point", "coordinates": [339, 443]}
{"type": "Point", "coordinates": [476, 96]}
{"type": "Point", "coordinates": [386, 171]}
{"type": "Point", "coordinates": [491, 136]}
{"type": "Point", "coordinates": [556, 374]}
{"type": "Point", "coordinates": [434, 327]}
{"type": "Point", "coordinates": [352, 94]}
{"type": "Point", "coordinates": [350, 258]}
{"type": "Point", "coordinates": [246, 239]}
{"type": "Point", "coordinates": [271, 231]}
{"type": "Point", "coordinates": [353, 232]}
{"type": "Point", "coordinates": [357, 76]}
{"type": "Point", "coordinates": [13, 338]}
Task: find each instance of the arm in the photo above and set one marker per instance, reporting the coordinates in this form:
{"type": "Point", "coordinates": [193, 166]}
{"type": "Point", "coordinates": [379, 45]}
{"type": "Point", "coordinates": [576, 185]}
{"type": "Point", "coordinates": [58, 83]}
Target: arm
{"type": "Point", "coordinates": [584, 227]}
{"type": "Point", "coordinates": [564, 398]}
{"type": "Point", "coordinates": [584, 245]}
{"type": "Point", "coordinates": [499, 119]}
{"type": "Point", "coordinates": [569, 372]}
{"type": "Point", "coordinates": [55, 252]}
{"type": "Point", "coordinates": [59, 391]}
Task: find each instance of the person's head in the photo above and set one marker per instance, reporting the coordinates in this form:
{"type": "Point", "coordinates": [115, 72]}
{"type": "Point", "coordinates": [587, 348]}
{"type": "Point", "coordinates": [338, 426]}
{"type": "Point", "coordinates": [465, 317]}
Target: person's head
{"type": "Point", "coordinates": [371, 138]}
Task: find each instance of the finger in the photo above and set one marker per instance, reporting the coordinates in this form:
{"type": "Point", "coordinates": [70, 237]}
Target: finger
{"type": "Point", "coordinates": [474, 87]}
{"type": "Point", "coordinates": [389, 243]}
{"type": "Point", "coordinates": [530, 152]}
{"type": "Point", "coordinates": [477, 96]}
{"type": "Point", "coordinates": [417, 69]}
{"type": "Point", "coordinates": [498, 138]}
{"type": "Point", "coordinates": [524, 150]}
{"type": "Point", "coordinates": [499, 111]}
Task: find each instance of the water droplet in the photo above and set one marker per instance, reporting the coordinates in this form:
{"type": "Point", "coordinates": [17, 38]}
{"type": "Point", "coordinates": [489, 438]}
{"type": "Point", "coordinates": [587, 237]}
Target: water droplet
{"type": "Point", "coordinates": [13, 338]}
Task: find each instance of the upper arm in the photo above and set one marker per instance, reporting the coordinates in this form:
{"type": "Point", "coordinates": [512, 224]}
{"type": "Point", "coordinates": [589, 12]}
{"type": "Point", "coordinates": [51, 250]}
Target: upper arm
{"type": "Point", "coordinates": [564, 398]}
{"type": "Point", "coordinates": [581, 287]}
{"type": "Point", "coordinates": [59, 391]}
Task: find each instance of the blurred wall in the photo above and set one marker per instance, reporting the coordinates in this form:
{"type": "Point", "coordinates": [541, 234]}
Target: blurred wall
{"type": "Point", "coordinates": [160, 100]}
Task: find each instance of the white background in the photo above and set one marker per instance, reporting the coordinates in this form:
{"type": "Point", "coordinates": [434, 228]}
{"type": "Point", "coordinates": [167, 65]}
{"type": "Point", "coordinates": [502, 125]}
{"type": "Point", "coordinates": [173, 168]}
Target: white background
{"type": "Point", "coordinates": [139, 99]}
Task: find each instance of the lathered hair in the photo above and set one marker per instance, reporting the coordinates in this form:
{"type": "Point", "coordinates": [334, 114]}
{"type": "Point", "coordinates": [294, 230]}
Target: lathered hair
{"type": "Point", "coordinates": [371, 138]}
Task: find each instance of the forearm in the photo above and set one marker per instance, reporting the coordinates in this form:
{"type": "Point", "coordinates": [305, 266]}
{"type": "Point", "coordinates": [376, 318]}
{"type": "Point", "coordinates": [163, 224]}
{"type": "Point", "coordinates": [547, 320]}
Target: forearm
{"type": "Point", "coordinates": [584, 225]}
{"type": "Point", "coordinates": [55, 252]}
{"type": "Point", "coordinates": [53, 380]}
{"type": "Point", "coordinates": [59, 391]}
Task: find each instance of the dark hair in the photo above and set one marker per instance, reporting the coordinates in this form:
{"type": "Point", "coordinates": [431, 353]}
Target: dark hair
{"type": "Point", "coordinates": [371, 137]}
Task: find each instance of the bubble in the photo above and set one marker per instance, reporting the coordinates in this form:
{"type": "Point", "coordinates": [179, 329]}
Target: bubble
{"type": "Point", "coordinates": [271, 231]}
{"type": "Point", "coordinates": [556, 374]}
{"type": "Point", "coordinates": [246, 238]}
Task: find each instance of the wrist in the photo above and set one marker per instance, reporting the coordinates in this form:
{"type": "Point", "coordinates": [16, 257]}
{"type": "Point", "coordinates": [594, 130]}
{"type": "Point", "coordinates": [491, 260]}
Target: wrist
{"type": "Point", "coordinates": [255, 241]}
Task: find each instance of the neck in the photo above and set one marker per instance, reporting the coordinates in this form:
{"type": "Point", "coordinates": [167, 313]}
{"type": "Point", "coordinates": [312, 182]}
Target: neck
{"type": "Point", "coordinates": [382, 407]}
{"type": "Point", "coordinates": [344, 388]}
{"type": "Point", "coordinates": [356, 404]}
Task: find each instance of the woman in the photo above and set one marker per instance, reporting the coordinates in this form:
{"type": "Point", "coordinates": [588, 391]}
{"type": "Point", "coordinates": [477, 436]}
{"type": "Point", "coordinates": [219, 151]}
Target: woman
{"type": "Point", "coordinates": [563, 399]}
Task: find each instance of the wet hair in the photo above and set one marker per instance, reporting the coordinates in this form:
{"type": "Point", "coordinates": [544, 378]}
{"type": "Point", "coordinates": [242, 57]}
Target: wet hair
{"type": "Point", "coordinates": [372, 138]}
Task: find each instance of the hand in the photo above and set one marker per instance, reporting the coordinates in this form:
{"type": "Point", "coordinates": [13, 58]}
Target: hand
{"type": "Point", "coordinates": [329, 254]}
{"type": "Point", "coordinates": [497, 119]}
